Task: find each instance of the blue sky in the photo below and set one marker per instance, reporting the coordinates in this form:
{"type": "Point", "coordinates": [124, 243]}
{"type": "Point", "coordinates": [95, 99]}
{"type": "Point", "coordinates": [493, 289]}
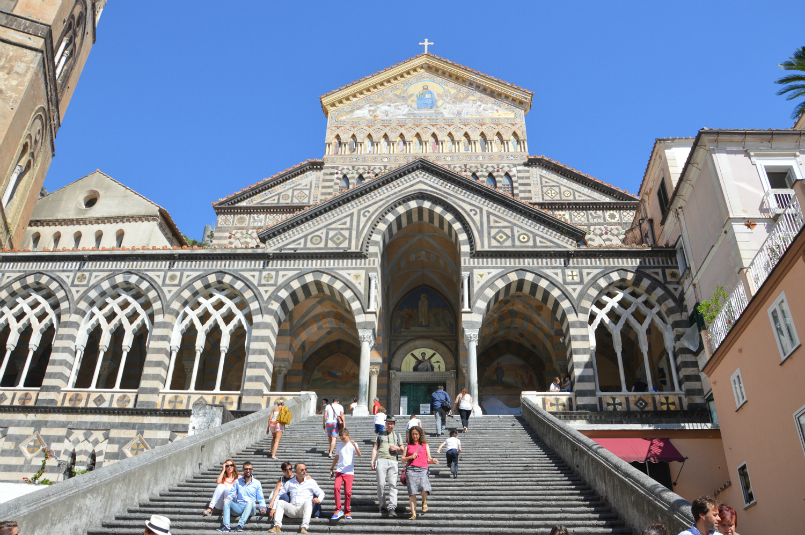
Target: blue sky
{"type": "Point", "coordinates": [187, 102]}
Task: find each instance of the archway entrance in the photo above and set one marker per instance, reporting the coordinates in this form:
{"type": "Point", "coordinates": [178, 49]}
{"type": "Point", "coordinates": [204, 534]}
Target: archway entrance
{"type": "Point", "coordinates": [418, 368]}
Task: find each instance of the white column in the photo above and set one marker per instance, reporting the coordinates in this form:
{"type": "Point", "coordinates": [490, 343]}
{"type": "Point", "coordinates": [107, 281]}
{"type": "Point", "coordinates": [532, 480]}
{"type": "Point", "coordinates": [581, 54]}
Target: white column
{"type": "Point", "coordinates": [14, 176]}
{"type": "Point", "coordinates": [644, 350]}
{"type": "Point", "coordinates": [465, 288]}
{"type": "Point", "coordinates": [374, 371]}
{"type": "Point", "coordinates": [101, 351]}
{"type": "Point", "coordinates": [618, 350]}
{"type": "Point", "coordinates": [169, 377]}
{"type": "Point", "coordinates": [79, 352]}
{"type": "Point", "coordinates": [367, 338]}
{"type": "Point", "coordinates": [372, 292]}
{"type": "Point", "coordinates": [220, 369]}
{"type": "Point", "coordinates": [471, 340]}
{"type": "Point", "coordinates": [25, 368]}
{"type": "Point", "coordinates": [281, 372]}
{"type": "Point", "coordinates": [195, 370]}
{"type": "Point", "coordinates": [122, 366]}
{"type": "Point", "coordinates": [5, 361]}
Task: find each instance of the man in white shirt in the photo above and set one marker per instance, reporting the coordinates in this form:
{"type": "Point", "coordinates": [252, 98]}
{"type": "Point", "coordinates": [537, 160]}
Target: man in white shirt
{"type": "Point", "coordinates": [304, 493]}
{"type": "Point", "coordinates": [329, 423]}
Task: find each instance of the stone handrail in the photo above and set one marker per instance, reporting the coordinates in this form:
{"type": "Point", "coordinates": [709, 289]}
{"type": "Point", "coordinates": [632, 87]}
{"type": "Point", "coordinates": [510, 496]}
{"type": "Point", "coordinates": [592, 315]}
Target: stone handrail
{"type": "Point", "coordinates": [638, 499]}
{"type": "Point", "coordinates": [78, 504]}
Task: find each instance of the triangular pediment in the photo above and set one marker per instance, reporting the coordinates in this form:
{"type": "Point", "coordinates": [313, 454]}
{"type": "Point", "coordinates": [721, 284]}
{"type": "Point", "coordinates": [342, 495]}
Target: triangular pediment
{"type": "Point", "coordinates": [456, 90]}
{"type": "Point", "coordinates": [296, 186]}
{"type": "Point", "coordinates": [554, 182]}
{"type": "Point", "coordinates": [490, 219]}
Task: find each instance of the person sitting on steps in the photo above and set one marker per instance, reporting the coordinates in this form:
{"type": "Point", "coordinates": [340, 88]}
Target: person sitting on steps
{"type": "Point", "coordinates": [227, 478]}
{"type": "Point", "coordinates": [243, 498]}
{"type": "Point", "coordinates": [287, 475]}
{"type": "Point", "coordinates": [303, 493]}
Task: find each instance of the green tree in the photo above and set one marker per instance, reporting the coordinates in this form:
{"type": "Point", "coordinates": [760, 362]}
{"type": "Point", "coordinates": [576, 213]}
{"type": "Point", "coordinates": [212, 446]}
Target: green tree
{"type": "Point", "coordinates": [794, 83]}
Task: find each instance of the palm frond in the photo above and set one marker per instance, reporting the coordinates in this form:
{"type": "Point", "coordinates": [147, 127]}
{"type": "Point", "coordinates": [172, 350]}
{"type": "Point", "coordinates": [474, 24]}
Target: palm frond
{"type": "Point", "coordinates": [791, 79]}
{"type": "Point", "coordinates": [794, 83]}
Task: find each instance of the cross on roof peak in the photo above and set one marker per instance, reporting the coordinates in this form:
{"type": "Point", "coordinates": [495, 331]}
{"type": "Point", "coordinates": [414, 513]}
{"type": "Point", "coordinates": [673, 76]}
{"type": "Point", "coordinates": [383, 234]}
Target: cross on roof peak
{"type": "Point", "coordinates": [425, 44]}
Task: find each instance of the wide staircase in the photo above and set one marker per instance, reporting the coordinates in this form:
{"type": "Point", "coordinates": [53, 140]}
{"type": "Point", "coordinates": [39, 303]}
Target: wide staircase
{"type": "Point", "coordinates": [508, 482]}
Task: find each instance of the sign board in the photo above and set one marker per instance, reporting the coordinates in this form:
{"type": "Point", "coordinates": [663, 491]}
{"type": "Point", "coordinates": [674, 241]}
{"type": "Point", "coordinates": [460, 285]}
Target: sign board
{"type": "Point", "coordinates": [424, 408]}
{"type": "Point", "coordinates": [403, 405]}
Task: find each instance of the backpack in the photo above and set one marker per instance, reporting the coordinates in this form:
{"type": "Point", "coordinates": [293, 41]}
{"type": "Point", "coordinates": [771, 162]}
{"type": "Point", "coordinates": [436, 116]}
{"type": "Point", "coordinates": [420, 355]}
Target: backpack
{"type": "Point", "coordinates": [284, 416]}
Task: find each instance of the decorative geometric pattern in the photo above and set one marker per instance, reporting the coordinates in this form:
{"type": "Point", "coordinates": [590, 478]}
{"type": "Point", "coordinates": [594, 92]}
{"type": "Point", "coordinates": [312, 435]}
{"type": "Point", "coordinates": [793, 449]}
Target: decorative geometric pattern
{"type": "Point", "coordinates": [136, 446]}
{"type": "Point", "coordinates": [32, 445]}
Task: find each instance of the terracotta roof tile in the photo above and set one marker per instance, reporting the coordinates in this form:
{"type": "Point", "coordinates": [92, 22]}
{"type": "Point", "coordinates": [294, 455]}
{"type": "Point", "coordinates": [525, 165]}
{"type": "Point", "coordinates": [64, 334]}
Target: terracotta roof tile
{"type": "Point", "coordinates": [433, 56]}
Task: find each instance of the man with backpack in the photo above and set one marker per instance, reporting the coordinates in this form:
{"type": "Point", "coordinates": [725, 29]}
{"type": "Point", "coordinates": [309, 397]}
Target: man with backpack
{"type": "Point", "coordinates": [441, 407]}
{"type": "Point", "coordinates": [388, 445]}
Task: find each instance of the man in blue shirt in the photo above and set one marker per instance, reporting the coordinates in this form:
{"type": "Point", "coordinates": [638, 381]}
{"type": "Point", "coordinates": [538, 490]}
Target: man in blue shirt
{"type": "Point", "coordinates": [244, 497]}
{"type": "Point", "coordinates": [440, 404]}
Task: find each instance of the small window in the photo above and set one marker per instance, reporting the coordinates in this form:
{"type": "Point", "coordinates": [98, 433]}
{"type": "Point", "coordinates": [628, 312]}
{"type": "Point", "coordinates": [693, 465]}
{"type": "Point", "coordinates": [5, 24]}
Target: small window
{"type": "Point", "coordinates": [746, 485]}
{"type": "Point", "coordinates": [451, 143]}
{"type": "Point", "coordinates": [337, 145]}
{"type": "Point", "coordinates": [506, 185]}
{"type": "Point", "coordinates": [359, 181]}
{"type": "Point", "coordinates": [491, 182]}
{"type": "Point", "coordinates": [662, 196]}
{"type": "Point", "coordinates": [400, 145]}
{"type": "Point", "coordinates": [353, 145]}
{"type": "Point", "coordinates": [467, 143]}
{"type": "Point", "coordinates": [681, 259]}
{"type": "Point", "coordinates": [344, 186]}
{"type": "Point", "coordinates": [434, 143]}
{"type": "Point", "coordinates": [514, 143]}
{"type": "Point", "coordinates": [783, 326]}
{"type": "Point", "coordinates": [418, 144]}
{"type": "Point", "coordinates": [475, 177]}
{"type": "Point", "coordinates": [799, 420]}
{"type": "Point", "coordinates": [482, 143]}
{"type": "Point", "coordinates": [780, 177]}
{"type": "Point", "coordinates": [76, 239]}
{"type": "Point", "coordinates": [98, 238]}
{"type": "Point", "coordinates": [56, 239]}
{"type": "Point", "coordinates": [738, 389]}
{"type": "Point", "coordinates": [35, 241]}
{"type": "Point", "coordinates": [119, 238]}
{"type": "Point", "coordinates": [500, 145]}
{"type": "Point", "coordinates": [386, 145]}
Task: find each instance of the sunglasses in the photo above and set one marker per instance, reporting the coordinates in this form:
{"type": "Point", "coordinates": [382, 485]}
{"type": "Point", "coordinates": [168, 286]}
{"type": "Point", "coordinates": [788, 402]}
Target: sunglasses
{"type": "Point", "coordinates": [248, 469]}
{"type": "Point", "coordinates": [230, 465]}
{"type": "Point", "coordinates": [303, 469]}
{"type": "Point", "coordinates": [286, 469]}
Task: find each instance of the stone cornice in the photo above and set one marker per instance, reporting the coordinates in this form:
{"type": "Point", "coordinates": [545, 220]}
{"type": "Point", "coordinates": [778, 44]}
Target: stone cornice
{"type": "Point", "coordinates": [260, 208]}
{"type": "Point", "coordinates": [92, 221]}
{"type": "Point", "coordinates": [40, 409]}
{"type": "Point", "coordinates": [379, 81]}
{"type": "Point", "coordinates": [520, 207]}
{"type": "Point", "coordinates": [583, 253]}
{"type": "Point", "coordinates": [577, 176]}
{"type": "Point", "coordinates": [587, 205]}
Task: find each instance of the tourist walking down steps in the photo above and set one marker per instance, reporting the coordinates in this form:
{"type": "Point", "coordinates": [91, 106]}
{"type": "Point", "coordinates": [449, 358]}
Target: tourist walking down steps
{"type": "Point", "coordinates": [343, 468]}
{"type": "Point", "coordinates": [388, 445]}
{"type": "Point", "coordinates": [417, 455]}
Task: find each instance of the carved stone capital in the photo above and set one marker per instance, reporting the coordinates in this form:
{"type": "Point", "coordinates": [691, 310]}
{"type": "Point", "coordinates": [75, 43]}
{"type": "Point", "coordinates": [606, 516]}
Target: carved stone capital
{"type": "Point", "coordinates": [366, 336]}
{"type": "Point", "coordinates": [374, 371]}
{"type": "Point", "coordinates": [471, 336]}
{"type": "Point", "coordinates": [373, 276]}
{"type": "Point", "coordinates": [464, 370]}
{"type": "Point", "coordinates": [281, 370]}
{"type": "Point", "coordinates": [465, 275]}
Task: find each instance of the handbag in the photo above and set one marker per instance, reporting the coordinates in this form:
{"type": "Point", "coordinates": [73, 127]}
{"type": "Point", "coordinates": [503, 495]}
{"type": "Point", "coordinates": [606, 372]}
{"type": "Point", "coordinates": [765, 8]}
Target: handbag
{"type": "Point", "coordinates": [340, 424]}
{"type": "Point", "coordinates": [403, 476]}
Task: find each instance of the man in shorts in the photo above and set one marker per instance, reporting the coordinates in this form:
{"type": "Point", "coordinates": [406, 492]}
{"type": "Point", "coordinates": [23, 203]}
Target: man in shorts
{"type": "Point", "coordinates": [330, 425]}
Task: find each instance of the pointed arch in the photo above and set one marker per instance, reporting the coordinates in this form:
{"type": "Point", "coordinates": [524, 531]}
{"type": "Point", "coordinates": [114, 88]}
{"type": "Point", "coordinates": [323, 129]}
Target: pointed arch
{"type": "Point", "coordinates": [500, 145]}
{"type": "Point", "coordinates": [491, 182]}
{"type": "Point", "coordinates": [386, 148]}
{"type": "Point", "coordinates": [506, 185]}
{"type": "Point", "coordinates": [450, 144]}
{"type": "Point", "coordinates": [343, 184]}
{"type": "Point", "coordinates": [368, 145]}
{"type": "Point", "coordinates": [399, 147]}
{"type": "Point", "coordinates": [467, 143]}
{"type": "Point", "coordinates": [483, 144]}
{"type": "Point", "coordinates": [336, 148]}
{"type": "Point", "coordinates": [434, 143]}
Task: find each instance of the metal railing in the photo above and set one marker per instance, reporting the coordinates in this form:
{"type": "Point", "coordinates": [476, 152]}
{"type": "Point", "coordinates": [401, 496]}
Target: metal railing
{"type": "Point", "coordinates": [775, 201]}
{"type": "Point", "coordinates": [730, 312]}
{"type": "Point", "coordinates": [785, 230]}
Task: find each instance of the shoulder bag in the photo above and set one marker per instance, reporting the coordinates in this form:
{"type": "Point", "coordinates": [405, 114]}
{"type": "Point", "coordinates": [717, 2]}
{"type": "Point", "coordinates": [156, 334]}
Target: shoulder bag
{"type": "Point", "coordinates": [403, 476]}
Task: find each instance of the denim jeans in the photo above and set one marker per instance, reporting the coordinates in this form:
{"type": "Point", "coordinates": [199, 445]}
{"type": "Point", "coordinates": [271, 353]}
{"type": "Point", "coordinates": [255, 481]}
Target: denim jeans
{"type": "Point", "coordinates": [452, 461]}
{"type": "Point", "coordinates": [242, 509]}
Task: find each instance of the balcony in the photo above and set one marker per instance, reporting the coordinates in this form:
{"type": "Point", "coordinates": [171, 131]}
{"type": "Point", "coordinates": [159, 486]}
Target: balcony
{"type": "Point", "coordinates": [788, 225]}
{"type": "Point", "coordinates": [775, 201]}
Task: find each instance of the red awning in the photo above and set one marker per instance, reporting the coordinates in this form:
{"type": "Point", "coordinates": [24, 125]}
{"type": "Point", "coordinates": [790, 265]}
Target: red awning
{"type": "Point", "coordinates": [653, 450]}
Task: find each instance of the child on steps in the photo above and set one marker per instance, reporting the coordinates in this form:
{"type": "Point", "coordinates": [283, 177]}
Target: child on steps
{"type": "Point", "coordinates": [453, 445]}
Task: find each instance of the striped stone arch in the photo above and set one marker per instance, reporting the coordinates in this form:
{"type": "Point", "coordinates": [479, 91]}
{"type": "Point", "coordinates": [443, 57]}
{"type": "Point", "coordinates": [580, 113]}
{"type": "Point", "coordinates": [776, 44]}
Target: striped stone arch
{"type": "Point", "coordinates": [527, 282]}
{"type": "Point", "coordinates": [415, 208]}
{"type": "Point", "coordinates": [35, 282]}
{"type": "Point", "coordinates": [294, 291]}
{"type": "Point", "coordinates": [112, 283]}
{"type": "Point", "coordinates": [255, 382]}
{"type": "Point", "coordinates": [686, 366]}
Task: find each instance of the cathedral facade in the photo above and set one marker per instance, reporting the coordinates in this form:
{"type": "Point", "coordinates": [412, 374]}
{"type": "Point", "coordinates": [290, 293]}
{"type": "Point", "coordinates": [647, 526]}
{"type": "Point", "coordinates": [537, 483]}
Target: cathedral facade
{"type": "Point", "coordinates": [424, 248]}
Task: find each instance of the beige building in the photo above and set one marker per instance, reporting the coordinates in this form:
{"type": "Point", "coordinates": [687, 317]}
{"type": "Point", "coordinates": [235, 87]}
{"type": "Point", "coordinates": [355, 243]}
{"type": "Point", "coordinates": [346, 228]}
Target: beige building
{"type": "Point", "coordinates": [98, 212]}
{"type": "Point", "coordinates": [757, 375]}
{"type": "Point", "coordinates": [44, 45]}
